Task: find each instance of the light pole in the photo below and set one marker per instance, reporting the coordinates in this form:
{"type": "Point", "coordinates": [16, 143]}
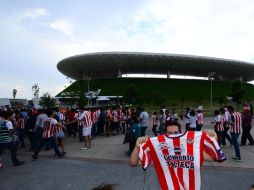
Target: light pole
{"type": "Point", "coordinates": [210, 76]}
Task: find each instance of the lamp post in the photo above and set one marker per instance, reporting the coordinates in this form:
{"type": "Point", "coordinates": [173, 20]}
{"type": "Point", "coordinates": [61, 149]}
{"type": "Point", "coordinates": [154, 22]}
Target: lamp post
{"type": "Point", "coordinates": [210, 76]}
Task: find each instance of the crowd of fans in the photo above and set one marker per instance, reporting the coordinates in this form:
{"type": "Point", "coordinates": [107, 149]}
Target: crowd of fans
{"type": "Point", "coordinates": [47, 128]}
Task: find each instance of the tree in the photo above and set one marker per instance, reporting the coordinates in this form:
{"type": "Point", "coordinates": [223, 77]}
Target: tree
{"type": "Point", "coordinates": [35, 90]}
{"type": "Point", "coordinates": [132, 93]}
{"type": "Point", "coordinates": [221, 99]}
{"type": "Point", "coordinates": [159, 99]}
{"type": "Point", "coordinates": [47, 101]}
{"type": "Point", "coordinates": [14, 93]}
{"type": "Point", "coordinates": [237, 91]}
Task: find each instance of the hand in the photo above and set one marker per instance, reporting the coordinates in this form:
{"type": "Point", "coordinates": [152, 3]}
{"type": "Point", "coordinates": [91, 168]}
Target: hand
{"type": "Point", "coordinates": [141, 140]}
{"type": "Point", "coordinates": [211, 133]}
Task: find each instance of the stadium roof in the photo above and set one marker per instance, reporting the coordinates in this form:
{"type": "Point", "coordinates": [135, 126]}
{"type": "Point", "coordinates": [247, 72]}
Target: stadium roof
{"type": "Point", "coordinates": [115, 64]}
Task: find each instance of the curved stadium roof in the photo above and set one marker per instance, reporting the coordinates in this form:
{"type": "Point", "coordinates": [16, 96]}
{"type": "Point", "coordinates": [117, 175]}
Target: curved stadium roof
{"type": "Point", "coordinates": [110, 64]}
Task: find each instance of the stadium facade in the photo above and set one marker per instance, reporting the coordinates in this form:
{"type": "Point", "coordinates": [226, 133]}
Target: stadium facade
{"type": "Point", "coordinates": [115, 64]}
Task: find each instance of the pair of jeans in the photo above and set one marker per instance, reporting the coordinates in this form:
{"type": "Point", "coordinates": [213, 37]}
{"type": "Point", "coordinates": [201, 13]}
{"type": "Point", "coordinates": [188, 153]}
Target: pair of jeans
{"type": "Point", "coordinates": [21, 135]}
{"type": "Point", "coordinates": [220, 137]}
{"type": "Point", "coordinates": [143, 131]}
{"type": "Point", "coordinates": [38, 137]}
{"type": "Point", "coordinates": [246, 135]}
{"type": "Point", "coordinates": [94, 130]}
{"type": "Point", "coordinates": [52, 141]}
{"type": "Point", "coordinates": [12, 147]}
{"type": "Point", "coordinates": [234, 137]}
{"type": "Point", "coordinates": [225, 136]}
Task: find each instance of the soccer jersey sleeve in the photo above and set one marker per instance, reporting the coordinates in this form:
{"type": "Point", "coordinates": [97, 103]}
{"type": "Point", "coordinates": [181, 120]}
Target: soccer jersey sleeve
{"type": "Point", "coordinates": [9, 125]}
{"type": "Point", "coordinates": [81, 116]}
{"type": "Point", "coordinates": [212, 148]}
{"type": "Point", "coordinates": [144, 154]}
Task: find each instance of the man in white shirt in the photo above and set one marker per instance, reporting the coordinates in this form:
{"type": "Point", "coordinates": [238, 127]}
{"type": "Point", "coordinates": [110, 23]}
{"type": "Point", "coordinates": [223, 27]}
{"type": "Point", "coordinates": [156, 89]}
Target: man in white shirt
{"type": "Point", "coordinates": [86, 122]}
{"type": "Point", "coordinates": [143, 121]}
{"type": "Point", "coordinates": [6, 134]}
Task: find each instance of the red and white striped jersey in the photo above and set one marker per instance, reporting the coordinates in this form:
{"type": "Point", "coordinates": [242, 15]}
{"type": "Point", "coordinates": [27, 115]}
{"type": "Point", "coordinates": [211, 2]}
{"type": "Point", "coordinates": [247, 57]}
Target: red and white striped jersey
{"type": "Point", "coordinates": [222, 121]}
{"type": "Point", "coordinates": [115, 116]}
{"type": "Point", "coordinates": [20, 123]}
{"type": "Point", "coordinates": [58, 128]}
{"type": "Point", "coordinates": [177, 158]}
{"type": "Point", "coordinates": [123, 117]}
{"type": "Point", "coordinates": [219, 120]}
{"type": "Point", "coordinates": [86, 119]}
{"type": "Point", "coordinates": [119, 113]}
{"type": "Point", "coordinates": [236, 120]}
{"type": "Point", "coordinates": [200, 118]}
{"type": "Point", "coordinates": [79, 121]}
{"type": "Point", "coordinates": [49, 127]}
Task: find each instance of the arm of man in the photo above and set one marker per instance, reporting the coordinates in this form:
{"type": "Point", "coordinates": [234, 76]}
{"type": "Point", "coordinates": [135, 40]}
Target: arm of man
{"type": "Point", "coordinates": [75, 120]}
{"type": "Point", "coordinates": [134, 158]}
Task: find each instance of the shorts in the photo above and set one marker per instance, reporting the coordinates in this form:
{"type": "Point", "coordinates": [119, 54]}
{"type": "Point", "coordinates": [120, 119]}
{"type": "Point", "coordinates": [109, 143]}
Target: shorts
{"type": "Point", "coordinates": [87, 131]}
{"type": "Point", "coordinates": [59, 134]}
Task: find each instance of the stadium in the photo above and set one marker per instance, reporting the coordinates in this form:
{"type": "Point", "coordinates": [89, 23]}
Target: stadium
{"type": "Point", "coordinates": [105, 70]}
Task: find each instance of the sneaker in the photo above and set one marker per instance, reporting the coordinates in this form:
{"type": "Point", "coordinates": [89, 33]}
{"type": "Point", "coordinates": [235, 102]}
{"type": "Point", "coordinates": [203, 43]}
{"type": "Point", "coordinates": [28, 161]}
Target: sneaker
{"type": "Point", "coordinates": [19, 163]}
{"type": "Point", "coordinates": [235, 157]}
{"type": "Point", "coordinates": [35, 157]}
{"type": "Point", "coordinates": [83, 148]}
{"type": "Point", "coordinates": [238, 160]}
{"type": "Point", "coordinates": [60, 156]}
{"type": "Point", "coordinates": [63, 153]}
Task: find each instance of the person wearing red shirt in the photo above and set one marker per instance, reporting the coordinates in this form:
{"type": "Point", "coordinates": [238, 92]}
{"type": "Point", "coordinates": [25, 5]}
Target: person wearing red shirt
{"type": "Point", "coordinates": [71, 129]}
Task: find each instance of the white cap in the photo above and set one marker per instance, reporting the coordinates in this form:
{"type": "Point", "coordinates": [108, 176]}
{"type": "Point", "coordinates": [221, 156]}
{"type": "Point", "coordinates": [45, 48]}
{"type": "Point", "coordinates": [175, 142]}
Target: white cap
{"type": "Point", "coordinates": [200, 108]}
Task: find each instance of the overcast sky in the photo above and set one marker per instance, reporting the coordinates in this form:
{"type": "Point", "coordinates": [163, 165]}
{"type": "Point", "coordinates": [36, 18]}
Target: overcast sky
{"type": "Point", "coordinates": [36, 35]}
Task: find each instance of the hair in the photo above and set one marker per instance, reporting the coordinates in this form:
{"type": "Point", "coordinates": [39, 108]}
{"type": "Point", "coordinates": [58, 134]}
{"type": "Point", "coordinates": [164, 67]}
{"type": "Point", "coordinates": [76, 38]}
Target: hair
{"type": "Point", "coordinates": [230, 108]}
{"type": "Point", "coordinates": [104, 186]}
{"type": "Point", "coordinates": [135, 119]}
{"type": "Point", "coordinates": [171, 123]}
{"type": "Point", "coordinates": [6, 114]}
{"type": "Point", "coordinates": [216, 112]}
{"type": "Point", "coordinates": [49, 113]}
{"type": "Point", "coordinates": [192, 113]}
{"type": "Point", "coordinates": [222, 110]}
{"type": "Point", "coordinates": [252, 187]}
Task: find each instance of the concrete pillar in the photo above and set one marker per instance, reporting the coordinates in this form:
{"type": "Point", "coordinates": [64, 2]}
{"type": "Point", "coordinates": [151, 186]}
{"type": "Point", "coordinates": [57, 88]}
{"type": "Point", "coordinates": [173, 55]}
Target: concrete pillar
{"type": "Point", "coordinates": [168, 75]}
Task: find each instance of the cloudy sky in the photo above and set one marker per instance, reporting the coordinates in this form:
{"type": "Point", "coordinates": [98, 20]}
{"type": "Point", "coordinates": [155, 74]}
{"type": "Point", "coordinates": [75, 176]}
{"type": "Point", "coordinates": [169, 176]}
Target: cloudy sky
{"type": "Point", "coordinates": [36, 35]}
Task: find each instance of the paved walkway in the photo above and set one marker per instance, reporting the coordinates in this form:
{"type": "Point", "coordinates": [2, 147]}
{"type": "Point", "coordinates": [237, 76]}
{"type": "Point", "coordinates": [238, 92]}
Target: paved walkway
{"type": "Point", "coordinates": [113, 149]}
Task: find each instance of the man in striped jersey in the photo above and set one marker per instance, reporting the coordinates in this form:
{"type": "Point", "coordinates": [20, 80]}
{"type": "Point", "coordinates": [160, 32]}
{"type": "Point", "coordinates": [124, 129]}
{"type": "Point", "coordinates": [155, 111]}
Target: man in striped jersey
{"type": "Point", "coordinates": [235, 130]}
{"type": "Point", "coordinates": [177, 157]}
{"type": "Point", "coordinates": [48, 135]}
{"type": "Point", "coordinates": [86, 122]}
{"type": "Point", "coordinates": [200, 118]}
